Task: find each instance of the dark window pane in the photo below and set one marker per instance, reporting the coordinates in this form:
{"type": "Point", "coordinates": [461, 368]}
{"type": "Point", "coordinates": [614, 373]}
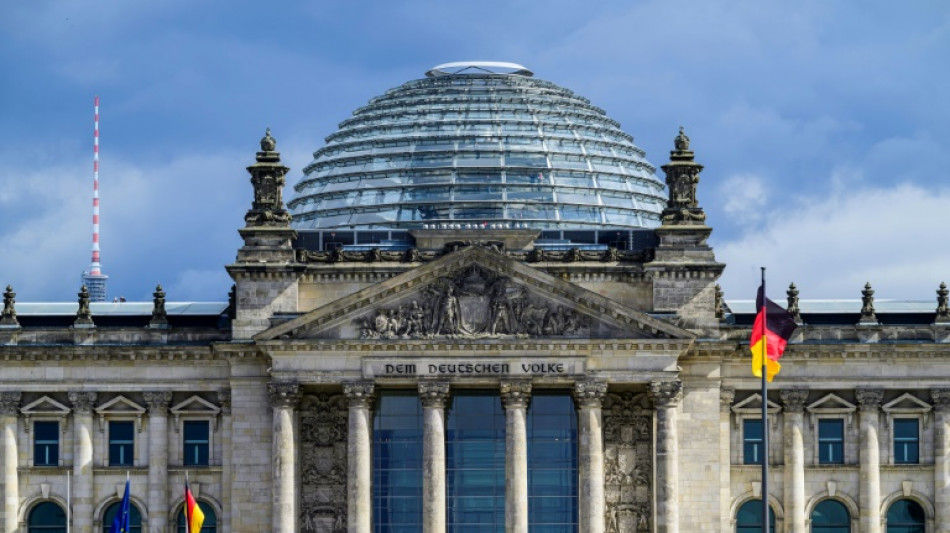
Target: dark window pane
{"type": "Point", "coordinates": [749, 518]}
{"type": "Point", "coordinates": [905, 516]}
{"type": "Point", "coordinates": [906, 441]}
{"type": "Point", "coordinates": [475, 462]}
{"type": "Point", "coordinates": [45, 443]}
{"type": "Point", "coordinates": [135, 518]}
{"type": "Point", "coordinates": [47, 517]}
{"type": "Point", "coordinates": [830, 516]}
{"type": "Point", "coordinates": [397, 462]}
{"type": "Point", "coordinates": [210, 525]}
{"type": "Point", "coordinates": [831, 441]}
{"type": "Point", "coordinates": [752, 442]}
{"type": "Point", "coordinates": [196, 442]}
{"type": "Point", "coordinates": [121, 443]}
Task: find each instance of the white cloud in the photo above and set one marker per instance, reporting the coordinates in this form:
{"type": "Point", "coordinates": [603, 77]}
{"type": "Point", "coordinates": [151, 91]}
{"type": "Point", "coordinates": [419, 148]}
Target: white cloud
{"type": "Point", "coordinates": [743, 197]}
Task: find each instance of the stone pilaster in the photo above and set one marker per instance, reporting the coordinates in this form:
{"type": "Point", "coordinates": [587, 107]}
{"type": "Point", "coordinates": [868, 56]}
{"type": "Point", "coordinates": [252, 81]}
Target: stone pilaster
{"type": "Point", "coordinates": [224, 399]}
{"type": "Point", "coordinates": [9, 404]}
{"type": "Point", "coordinates": [82, 501]}
{"type": "Point", "coordinates": [793, 401]}
{"type": "Point", "coordinates": [941, 399]}
{"type": "Point", "coordinates": [589, 397]}
{"type": "Point", "coordinates": [433, 396]}
{"type": "Point", "coordinates": [515, 396]}
{"type": "Point", "coordinates": [157, 402]}
{"type": "Point", "coordinates": [666, 396]}
{"type": "Point", "coordinates": [727, 395]}
{"type": "Point", "coordinates": [359, 458]}
{"type": "Point", "coordinates": [284, 397]}
{"type": "Point", "coordinates": [869, 402]}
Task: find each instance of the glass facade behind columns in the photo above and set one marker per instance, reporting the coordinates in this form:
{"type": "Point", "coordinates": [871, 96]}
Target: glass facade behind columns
{"type": "Point", "coordinates": [475, 462]}
{"type": "Point", "coordinates": [552, 463]}
{"type": "Point", "coordinates": [397, 463]}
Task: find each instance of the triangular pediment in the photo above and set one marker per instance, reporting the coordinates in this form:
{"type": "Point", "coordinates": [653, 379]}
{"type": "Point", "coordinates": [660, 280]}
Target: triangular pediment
{"type": "Point", "coordinates": [906, 403]}
{"type": "Point", "coordinates": [195, 405]}
{"type": "Point", "coordinates": [45, 406]}
{"type": "Point", "coordinates": [831, 404]}
{"type": "Point", "coordinates": [753, 405]}
{"type": "Point", "coordinates": [474, 293]}
{"type": "Point", "coordinates": [120, 405]}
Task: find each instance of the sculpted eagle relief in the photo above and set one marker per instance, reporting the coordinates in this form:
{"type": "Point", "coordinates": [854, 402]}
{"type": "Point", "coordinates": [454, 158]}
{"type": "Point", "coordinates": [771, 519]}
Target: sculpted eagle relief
{"type": "Point", "coordinates": [474, 303]}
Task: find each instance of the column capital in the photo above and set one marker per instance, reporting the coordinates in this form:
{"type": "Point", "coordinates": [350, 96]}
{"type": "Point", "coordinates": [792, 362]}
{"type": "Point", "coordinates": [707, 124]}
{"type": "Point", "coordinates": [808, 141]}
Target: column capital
{"type": "Point", "coordinates": [283, 393]}
{"type": "Point", "coordinates": [82, 401]}
{"type": "Point", "coordinates": [157, 401]}
{"type": "Point", "coordinates": [359, 393]}
{"type": "Point", "coordinates": [727, 395]}
{"type": "Point", "coordinates": [941, 399]}
{"type": "Point", "coordinates": [869, 399]}
{"type": "Point", "coordinates": [433, 393]}
{"type": "Point", "coordinates": [10, 402]}
{"type": "Point", "coordinates": [515, 393]}
{"type": "Point", "coordinates": [793, 400]}
{"type": "Point", "coordinates": [224, 398]}
{"type": "Point", "coordinates": [666, 393]}
{"type": "Point", "coordinates": [590, 393]}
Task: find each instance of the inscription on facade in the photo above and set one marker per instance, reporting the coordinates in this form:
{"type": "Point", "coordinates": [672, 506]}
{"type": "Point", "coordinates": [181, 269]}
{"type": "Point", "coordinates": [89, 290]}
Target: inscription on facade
{"type": "Point", "coordinates": [443, 368]}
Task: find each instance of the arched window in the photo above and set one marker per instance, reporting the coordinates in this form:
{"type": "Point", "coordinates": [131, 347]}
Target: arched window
{"type": "Point", "coordinates": [135, 518]}
{"type": "Point", "coordinates": [210, 524]}
{"type": "Point", "coordinates": [47, 517]}
{"type": "Point", "coordinates": [905, 516]}
{"type": "Point", "coordinates": [749, 518]}
{"type": "Point", "coordinates": [830, 516]}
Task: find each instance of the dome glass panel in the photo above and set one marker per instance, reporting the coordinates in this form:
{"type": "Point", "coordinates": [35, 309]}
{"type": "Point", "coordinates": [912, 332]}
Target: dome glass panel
{"type": "Point", "coordinates": [478, 143]}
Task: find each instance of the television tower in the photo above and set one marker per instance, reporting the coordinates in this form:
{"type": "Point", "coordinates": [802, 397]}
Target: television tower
{"type": "Point", "coordinates": [94, 279]}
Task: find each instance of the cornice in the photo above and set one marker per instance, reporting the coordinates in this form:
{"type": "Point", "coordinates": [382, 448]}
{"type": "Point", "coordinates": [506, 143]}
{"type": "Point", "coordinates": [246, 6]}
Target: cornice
{"type": "Point", "coordinates": [439, 346]}
{"type": "Point", "coordinates": [85, 353]}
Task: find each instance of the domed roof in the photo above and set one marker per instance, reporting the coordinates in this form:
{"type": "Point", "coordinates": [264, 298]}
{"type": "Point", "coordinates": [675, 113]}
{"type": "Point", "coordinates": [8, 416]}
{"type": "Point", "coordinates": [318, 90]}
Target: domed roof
{"type": "Point", "coordinates": [474, 144]}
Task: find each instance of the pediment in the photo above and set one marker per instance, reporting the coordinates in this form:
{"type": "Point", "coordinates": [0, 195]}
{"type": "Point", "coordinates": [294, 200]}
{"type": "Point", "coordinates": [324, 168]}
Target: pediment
{"type": "Point", "coordinates": [831, 404]}
{"type": "Point", "coordinates": [120, 406]}
{"type": "Point", "coordinates": [474, 293]}
{"type": "Point", "coordinates": [45, 406]}
{"type": "Point", "coordinates": [195, 406]}
{"type": "Point", "coordinates": [906, 403]}
{"type": "Point", "coordinates": [753, 405]}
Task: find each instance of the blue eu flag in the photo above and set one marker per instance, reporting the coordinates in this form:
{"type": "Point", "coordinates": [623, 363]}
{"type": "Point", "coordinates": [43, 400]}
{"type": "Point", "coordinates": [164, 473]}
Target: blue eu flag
{"type": "Point", "coordinates": [120, 524]}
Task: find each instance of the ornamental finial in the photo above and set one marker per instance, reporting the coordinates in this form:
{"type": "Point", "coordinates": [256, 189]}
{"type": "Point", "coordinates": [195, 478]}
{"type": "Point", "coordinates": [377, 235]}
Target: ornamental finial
{"type": "Point", "coordinates": [867, 305]}
{"type": "Point", "coordinates": [268, 143]}
{"type": "Point", "coordinates": [681, 143]}
{"type": "Point", "coordinates": [943, 310]}
{"type": "Point", "coordinates": [9, 310]}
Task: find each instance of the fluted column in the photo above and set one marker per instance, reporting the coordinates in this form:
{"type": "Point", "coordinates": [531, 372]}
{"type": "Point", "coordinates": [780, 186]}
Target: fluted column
{"type": "Point", "coordinates": [515, 396]}
{"type": "Point", "coordinates": [9, 405]}
{"type": "Point", "coordinates": [433, 396]}
{"type": "Point", "coordinates": [869, 401]}
{"type": "Point", "coordinates": [157, 402]}
{"type": "Point", "coordinates": [283, 398]}
{"type": "Point", "coordinates": [726, 397]}
{"type": "Point", "coordinates": [941, 398]}
{"type": "Point", "coordinates": [83, 402]}
{"type": "Point", "coordinates": [359, 460]}
{"type": "Point", "coordinates": [666, 396]}
{"type": "Point", "coordinates": [589, 396]}
{"type": "Point", "coordinates": [793, 402]}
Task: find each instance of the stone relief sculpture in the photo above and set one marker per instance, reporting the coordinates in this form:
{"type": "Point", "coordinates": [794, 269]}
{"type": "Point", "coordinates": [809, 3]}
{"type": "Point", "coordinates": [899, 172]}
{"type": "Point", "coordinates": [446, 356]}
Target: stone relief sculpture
{"type": "Point", "coordinates": [323, 423]}
{"type": "Point", "coordinates": [473, 303]}
{"type": "Point", "coordinates": [628, 463]}
{"type": "Point", "coordinates": [413, 255]}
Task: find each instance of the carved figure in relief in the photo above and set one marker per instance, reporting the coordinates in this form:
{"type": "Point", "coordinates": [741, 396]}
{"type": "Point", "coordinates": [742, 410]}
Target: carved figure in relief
{"type": "Point", "coordinates": [448, 319]}
{"type": "Point", "coordinates": [611, 525]}
{"type": "Point", "coordinates": [500, 308]}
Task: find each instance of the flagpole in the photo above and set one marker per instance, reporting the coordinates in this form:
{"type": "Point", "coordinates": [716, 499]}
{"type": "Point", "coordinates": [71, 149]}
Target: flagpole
{"type": "Point", "coordinates": [68, 503]}
{"type": "Point", "coordinates": [765, 410]}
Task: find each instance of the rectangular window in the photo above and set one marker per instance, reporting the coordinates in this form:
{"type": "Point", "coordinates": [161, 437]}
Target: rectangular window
{"type": "Point", "coordinates": [752, 448]}
{"type": "Point", "coordinates": [196, 442]}
{"type": "Point", "coordinates": [552, 463]}
{"type": "Point", "coordinates": [831, 441]}
{"type": "Point", "coordinates": [906, 441]}
{"type": "Point", "coordinates": [121, 443]}
{"type": "Point", "coordinates": [45, 443]}
{"type": "Point", "coordinates": [397, 462]}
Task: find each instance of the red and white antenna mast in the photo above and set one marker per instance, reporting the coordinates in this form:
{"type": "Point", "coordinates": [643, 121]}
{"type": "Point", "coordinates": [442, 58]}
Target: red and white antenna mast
{"type": "Point", "coordinates": [94, 280]}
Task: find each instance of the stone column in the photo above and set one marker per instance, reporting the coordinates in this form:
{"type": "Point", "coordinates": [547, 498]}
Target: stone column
{"type": "Point", "coordinates": [359, 457]}
{"type": "Point", "coordinates": [515, 396]}
{"type": "Point", "coordinates": [793, 401]}
{"type": "Point", "coordinates": [157, 402]}
{"type": "Point", "coordinates": [82, 501]}
{"type": "Point", "coordinates": [666, 395]}
{"type": "Point", "coordinates": [589, 396]}
{"type": "Point", "coordinates": [941, 398]}
{"type": "Point", "coordinates": [9, 407]}
{"type": "Point", "coordinates": [727, 395]}
{"type": "Point", "coordinates": [869, 401]}
{"type": "Point", "coordinates": [283, 398]}
{"type": "Point", "coordinates": [224, 398]}
{"type": "Point", "coordinates": [433, 396]}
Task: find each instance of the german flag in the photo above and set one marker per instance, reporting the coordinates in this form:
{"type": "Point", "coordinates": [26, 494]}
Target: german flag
{"type": "Point", "coordinates": [770, 333]}
{"type": "Point", "coordinates": [194, 518]}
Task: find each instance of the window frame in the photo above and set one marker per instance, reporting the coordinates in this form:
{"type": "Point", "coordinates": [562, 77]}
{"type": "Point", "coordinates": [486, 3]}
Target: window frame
{"type": "Point", "coordinates": [905, 441]}
{"type": "Point", "coordinates": [908, 406]}
{"type": "Point", "coordinates": [751, 408]}
{"type": "Point", "coordinates": [759, 445]}
{"type": "Point", "coordinates": [60, 433]}
{"type": "Point", "coordinates": [131, 445]}
{"type": "Point", "coordinates": [819, 444]}
{"type": "Point", "coordinates": [209, 442]}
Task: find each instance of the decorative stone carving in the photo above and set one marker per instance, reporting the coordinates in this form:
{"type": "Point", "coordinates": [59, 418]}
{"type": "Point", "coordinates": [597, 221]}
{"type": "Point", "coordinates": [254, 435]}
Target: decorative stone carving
{"type": "Point", "coordinates": [942, 317]}
{"type": "Point", "coordinates": [727, 395]}
{"type": "Point", "coordinates": [83, 401]}
{"type": "Point", "coordinates": [718, 306]}
{"type": "Point", "coordinates": [433, 393]}
{"type": "Point", "coordinates": [8, 318]}
{"type": "Point", "coordinates": [666, 393]}
{"type": "Point", "coordinates": [682, 177]}
{"type": "Point", "coordinates": [10, 402]}
{"type": "Point", "coordinates": [867, 305]}
{"type": "Point", "coordinates": [628, 463]}
{"type": "Point", "coordinates": [941, 399]}
{"type": "Point", "coordinates": [359, 392]}
{"type": "Point", "coordinates": [284, 393]}
{"type": "Point", "coordinates": [793, 309]}
{"type": "Point", "coordinates": [793, 400]}
{"type": "Point", "coordinates": [474, 303]}
{"type": "Point", "coordinates": [83, 315]}
{"type": "Point", "coordinates": [159, 316]}
{"type": "Point", "coordinates": [590, 393]}
{"type": "Point", "coordinates": [515, 393]}
{"type": "Point", "coordinates": [414, 255]}
{"type": "Point", "coordinates": [323, 433]}
{"type": "Point", "coordinates": [157, 401]}
{"type": "Point", "coordinates": [267, 177]}
{"type": "Point", "coordinates": [869, 399]}
{"type": "Point", "coordinates": [224, 399]}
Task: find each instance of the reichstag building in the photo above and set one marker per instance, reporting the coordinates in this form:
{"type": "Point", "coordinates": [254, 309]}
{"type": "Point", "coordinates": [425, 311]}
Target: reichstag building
{"type": "Point", "coordinates": [481, 309]}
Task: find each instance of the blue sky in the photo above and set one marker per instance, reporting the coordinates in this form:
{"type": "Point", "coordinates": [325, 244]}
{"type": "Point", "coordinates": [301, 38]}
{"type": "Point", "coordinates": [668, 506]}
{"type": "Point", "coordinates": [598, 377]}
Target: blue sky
{"type": "Point", "coordinates": [824, 126]}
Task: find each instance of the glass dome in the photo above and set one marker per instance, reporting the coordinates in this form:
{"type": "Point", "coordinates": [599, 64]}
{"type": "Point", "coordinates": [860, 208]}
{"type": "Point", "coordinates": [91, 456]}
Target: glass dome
{"type": "Point", "coordinates": [478, 144]}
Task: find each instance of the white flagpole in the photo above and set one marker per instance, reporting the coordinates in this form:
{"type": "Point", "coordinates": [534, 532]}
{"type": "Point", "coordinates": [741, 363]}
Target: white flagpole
{"type": "Point", "coordinates": [68, 502]}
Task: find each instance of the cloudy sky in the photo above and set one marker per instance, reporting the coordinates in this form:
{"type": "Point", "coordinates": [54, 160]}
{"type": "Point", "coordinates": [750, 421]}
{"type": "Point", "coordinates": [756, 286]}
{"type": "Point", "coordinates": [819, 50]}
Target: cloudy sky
{"type": "Point", "coordinates": [824, 126]}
